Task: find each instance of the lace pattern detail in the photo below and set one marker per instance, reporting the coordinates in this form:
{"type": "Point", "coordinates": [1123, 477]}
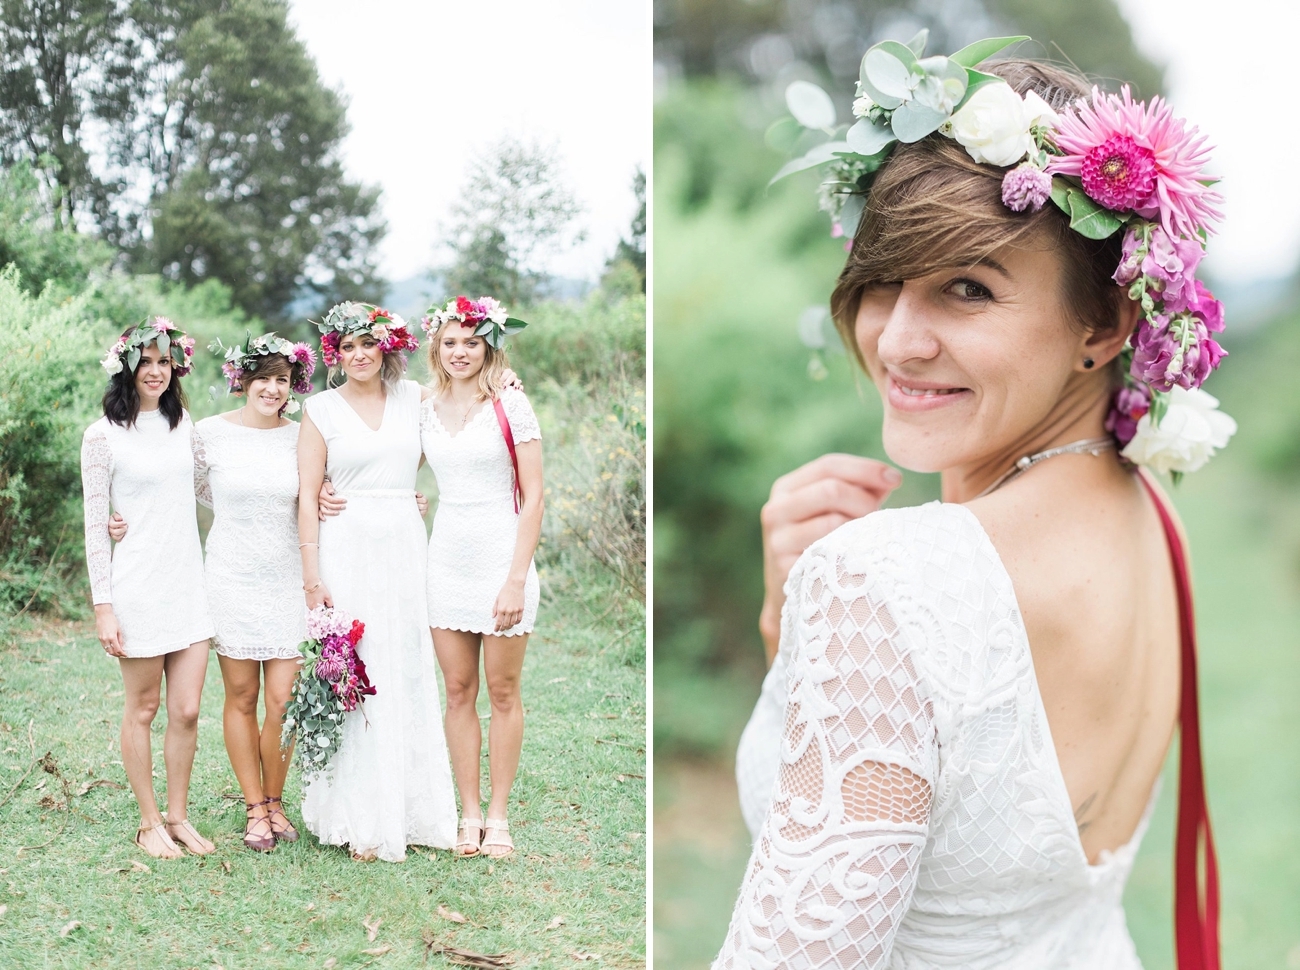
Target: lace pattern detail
{"type": "Point", "coordinates": [202, 472]}
{"type": "Point", "coordinates": [519, 411]}
{"type": "Point", "coordinates": [96, 478]}
{"type": "Point", "coordinates": [899, 768]}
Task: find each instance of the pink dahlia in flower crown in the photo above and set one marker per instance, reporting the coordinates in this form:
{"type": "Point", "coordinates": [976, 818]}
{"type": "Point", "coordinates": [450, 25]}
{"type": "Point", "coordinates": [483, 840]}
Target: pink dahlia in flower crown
{"type": "Point", "coordinates": [1133, 156]}
{"type": "Point", "coordinates": [350, 318]}
{"type": "Point", "coordinates": [332, 683]}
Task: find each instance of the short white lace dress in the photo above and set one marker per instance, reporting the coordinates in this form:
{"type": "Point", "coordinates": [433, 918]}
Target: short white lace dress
{"type": "Point", "coordinates": [472, 542]}
{"type": "Point", "coordinates": [249, 478]}
{"type": "Point", "coordinates": [154, 577]}
{"type": "Point", "coordinates": [911, 810]}
{"type": "Point", "coordinates": [389, 785]}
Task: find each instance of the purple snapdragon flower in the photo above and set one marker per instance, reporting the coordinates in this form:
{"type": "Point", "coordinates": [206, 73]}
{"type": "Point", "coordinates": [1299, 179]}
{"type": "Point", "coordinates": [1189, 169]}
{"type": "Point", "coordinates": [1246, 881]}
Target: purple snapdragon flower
{"type": "Point", "coordinates": [1128, 408]}
{"type": "Point", "coordinates": [1172, 261]}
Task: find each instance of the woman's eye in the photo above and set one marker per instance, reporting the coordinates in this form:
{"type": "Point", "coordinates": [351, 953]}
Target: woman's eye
{"type": "Point", "coordinates": [969, 290]}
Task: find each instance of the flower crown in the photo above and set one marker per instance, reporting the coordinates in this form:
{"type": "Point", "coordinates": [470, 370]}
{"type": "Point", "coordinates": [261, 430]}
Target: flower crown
{"type": "Point", "coordinates": [126, 351]}
{"type": "Point", "coordinates": [351, 317]}
{"type": "Point", "coordinates": [243, 360]}
{"type": "Point", "coordinates": [488, 318]}
{"type": "Point", "coordinates": [1109, 163]}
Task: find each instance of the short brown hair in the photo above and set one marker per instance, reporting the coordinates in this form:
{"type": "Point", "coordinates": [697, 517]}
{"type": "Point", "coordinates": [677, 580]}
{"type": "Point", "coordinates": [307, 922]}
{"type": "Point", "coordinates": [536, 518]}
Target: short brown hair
{"type": "Point", "coordinates": [932, 205]}
{"type": "Point", "coordinates": [269, 365]}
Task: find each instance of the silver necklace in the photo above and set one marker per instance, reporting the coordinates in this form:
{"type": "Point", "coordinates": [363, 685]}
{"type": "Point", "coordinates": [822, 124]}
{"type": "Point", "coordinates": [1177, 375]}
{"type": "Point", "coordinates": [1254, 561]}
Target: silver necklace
{"type": "Point", "coordinates": [1088, 446]}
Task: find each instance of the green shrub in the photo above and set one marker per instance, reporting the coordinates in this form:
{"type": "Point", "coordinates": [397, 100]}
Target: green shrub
{"type": "Point", "coordinates": [44, 256]}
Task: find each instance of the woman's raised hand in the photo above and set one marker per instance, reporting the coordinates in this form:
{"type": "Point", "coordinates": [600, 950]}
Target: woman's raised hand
{"type": "Point", "coordinates": [107, 630]}
{"type": "Point", "coordinates": [328, 502]}
{"type": "Point", "coordinates": [811, 502]}
{"type": "Point", "coordinates": [508, 610]}
{"type": "Point", "coordinates": [116, 527]}
{"type": "Point", "coordinates": [509, 379]}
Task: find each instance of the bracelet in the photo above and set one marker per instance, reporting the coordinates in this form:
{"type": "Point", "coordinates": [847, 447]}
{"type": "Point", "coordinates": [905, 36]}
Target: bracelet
{"type": "Point", "coordinates": [312, 588]}
{"type": "Point", "coordinates": [301, 544]}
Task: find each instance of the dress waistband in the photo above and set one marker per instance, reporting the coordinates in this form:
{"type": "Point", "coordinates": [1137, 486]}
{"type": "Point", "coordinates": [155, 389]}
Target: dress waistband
{"type": "Point", "coordinates": [377, 493]}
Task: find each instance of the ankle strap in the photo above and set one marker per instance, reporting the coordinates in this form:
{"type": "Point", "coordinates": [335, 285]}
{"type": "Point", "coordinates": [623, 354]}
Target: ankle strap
{"type": "Point", "coordinates": [248, 805]}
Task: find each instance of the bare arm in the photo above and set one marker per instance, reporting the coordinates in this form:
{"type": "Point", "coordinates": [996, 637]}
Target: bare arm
{"type": "Point", "coordinates": [509, 607]}
{"type": "Point", "coordinates": [311, 473]}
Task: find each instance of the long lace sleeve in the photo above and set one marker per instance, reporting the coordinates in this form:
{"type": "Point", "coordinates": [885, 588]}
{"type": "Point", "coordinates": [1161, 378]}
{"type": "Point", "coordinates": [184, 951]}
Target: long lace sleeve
{"type": "Point", "coordinates": [836, 861]}
{"type": "Point", "coordinates": [96, 478]}
{"type": "Point", "coordinates": [202, 477]}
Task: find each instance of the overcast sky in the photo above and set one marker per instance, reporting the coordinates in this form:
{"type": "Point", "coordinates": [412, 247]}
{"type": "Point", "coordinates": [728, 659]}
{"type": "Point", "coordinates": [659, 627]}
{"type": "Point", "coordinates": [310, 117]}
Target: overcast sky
{"type": "Point", "coordinates": [1231, 74]}
{"type": "Point", "coordinates": [431, 83]}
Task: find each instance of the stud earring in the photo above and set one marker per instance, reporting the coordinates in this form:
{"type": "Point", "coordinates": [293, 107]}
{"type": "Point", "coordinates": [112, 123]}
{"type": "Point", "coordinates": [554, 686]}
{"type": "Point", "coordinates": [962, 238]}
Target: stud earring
{"type": "Point", "coordinates": [1088, 363]}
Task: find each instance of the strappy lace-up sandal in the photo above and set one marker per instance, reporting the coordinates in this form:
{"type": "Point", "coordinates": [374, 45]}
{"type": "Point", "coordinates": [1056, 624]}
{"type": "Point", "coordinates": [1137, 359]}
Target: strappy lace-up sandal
{"type": "Point", "coordinates": [469, 837]}
{"type": "Point", "coordinates": [188, 836]}
{"type": "Point", "coordinates": [170, 850]}
{"type": "Point", "coordinates": [497, 843]}
{"type": "Point", "coordinates": [253, 839]}
{"type": "Point", "coordinates": [285, 832]}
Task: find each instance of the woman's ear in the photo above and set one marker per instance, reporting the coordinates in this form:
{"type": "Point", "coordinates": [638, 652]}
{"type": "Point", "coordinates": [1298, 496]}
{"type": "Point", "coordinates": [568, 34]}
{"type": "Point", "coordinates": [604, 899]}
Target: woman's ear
{"type": "Point", "coordinates": [1103, 347]}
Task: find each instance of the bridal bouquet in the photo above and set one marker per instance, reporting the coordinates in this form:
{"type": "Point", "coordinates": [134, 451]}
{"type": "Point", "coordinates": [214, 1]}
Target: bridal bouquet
{"type": "Point", "coordinates": [332, 683]}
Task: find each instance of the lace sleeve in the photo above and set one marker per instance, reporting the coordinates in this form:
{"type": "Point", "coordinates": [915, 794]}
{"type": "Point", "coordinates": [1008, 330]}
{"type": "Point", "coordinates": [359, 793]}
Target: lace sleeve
{"type": "Point", "coordinates": [523, 420]}
{"type": "Point", "coordinates": [96, 479]}
{"type": "Point", "coordinates": [835, 863]}
{"type": "Point", "coordinates": [202, 478]}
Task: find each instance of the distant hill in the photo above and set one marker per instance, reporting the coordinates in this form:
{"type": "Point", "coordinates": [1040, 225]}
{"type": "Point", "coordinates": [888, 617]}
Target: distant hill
{"type": "Point", "coordinates": [412, 296]}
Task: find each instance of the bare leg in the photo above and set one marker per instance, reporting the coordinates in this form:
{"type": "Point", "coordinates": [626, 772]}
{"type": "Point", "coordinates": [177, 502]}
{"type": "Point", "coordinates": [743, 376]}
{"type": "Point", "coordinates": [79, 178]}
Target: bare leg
{"type": "Point", "coordinates": [458, 657]}
{"type": "Point", "coordinates": [142, 679]}
{"type": "Point", "coordinates": [279, 676]}
{"type": "Point", "coordinates": [242, 679]}
{"type": "Point", "coordinates": [503, 663]}
{"type": "Point", "coordinates": [185, 670]}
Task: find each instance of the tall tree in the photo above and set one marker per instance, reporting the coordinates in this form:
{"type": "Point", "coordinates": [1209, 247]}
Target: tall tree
{"type": "Point", "coordinates": [631, 250]}
{"type": "Point", "coordinates": [514, 208]}
{"type": "Point", "coordinates": [61, 62]}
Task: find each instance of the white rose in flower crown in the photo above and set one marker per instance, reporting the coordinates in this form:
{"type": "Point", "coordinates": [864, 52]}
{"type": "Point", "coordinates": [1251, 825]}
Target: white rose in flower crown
{"type": "Point", "coordinates": [1192, 429]}
{"type": "Point", "coordinates": [112, 363]}
{"type": "Point", "coordinates": [993, 125]}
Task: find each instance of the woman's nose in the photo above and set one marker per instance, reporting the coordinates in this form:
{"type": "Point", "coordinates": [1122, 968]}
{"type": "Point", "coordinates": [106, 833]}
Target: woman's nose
{"type": "Point", "coordinates": [908, 333]}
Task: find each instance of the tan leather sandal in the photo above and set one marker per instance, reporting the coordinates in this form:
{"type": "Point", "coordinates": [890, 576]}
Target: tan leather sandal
{"type": "Point", "coordinates": [469, 837]}
{"type": "Point", "coordinates": [497, 843]}
{"type": "Point", "coordinates": [170, 849]}
{"type": "Point", "coordinates": [188, 836]}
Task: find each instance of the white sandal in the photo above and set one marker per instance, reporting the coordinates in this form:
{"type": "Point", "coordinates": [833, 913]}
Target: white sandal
{"type": "Point", "coordinates": [497, 836]}
{"type": "Point", "coordinates": [467, 844]}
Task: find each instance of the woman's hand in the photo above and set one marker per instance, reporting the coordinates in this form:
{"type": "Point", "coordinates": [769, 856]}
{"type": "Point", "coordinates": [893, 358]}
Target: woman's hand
{"type": "Point", "coordinates": [320, 596]}
{"type": "Point", "coordinates": [422, 503]}
{"type": "Point", "coordinates": [805, 505]}
{"type": "Point", "coordinates": [116, 527]}
{"type": "Point", "coordinates": [510, 380]}
{"type": "Point", "coordinates": [109, 633]}
{"type": "Point", "coordinates": [509, 607]}
{"type": "Point", "coordinates": [329, 503]}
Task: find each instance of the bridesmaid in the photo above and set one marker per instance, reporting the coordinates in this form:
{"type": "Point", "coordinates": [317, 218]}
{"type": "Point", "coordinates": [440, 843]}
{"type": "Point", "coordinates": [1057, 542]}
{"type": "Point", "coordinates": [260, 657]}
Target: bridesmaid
{"type": "Point", "coordinates": [151, 611]}
{"type": "Point", "coordinates": [484, 446]}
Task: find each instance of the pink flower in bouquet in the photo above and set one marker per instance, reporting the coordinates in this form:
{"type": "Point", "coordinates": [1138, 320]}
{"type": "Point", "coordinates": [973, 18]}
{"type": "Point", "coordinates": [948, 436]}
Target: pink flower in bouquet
{"type": "Point", "coordinates": [331, 668]}
{"type": "Point", "coordinates": [1138, 156]}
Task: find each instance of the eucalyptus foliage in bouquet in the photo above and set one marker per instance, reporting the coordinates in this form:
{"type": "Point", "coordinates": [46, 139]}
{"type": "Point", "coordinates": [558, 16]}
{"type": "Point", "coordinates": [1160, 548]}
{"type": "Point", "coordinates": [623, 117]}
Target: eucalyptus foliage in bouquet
{"type": "Point", "coordinates": [331, 684]}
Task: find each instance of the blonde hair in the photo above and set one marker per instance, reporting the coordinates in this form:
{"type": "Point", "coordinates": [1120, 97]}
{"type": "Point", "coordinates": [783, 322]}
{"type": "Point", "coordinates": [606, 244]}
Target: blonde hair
{"type": "Point", "coordinates": [489, 376]}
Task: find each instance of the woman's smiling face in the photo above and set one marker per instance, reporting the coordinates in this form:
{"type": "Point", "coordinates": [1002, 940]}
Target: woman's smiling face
{"type": "Point", "coordinates": [152, 376]}
{"type": "Point", "coordinates": [971, 360]}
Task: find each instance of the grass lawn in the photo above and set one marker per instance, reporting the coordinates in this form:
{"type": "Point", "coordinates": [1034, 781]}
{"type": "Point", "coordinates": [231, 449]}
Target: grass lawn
{"type": "Point", "coordinates": [1243, 539]}
{"type": "Point", "coordinates": [573, 893]}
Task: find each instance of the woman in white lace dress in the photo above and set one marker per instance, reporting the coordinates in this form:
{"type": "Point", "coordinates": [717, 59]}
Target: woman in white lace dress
{"type": "Point", "coordinates": [956, 750]}
{"type": "Point", "coordinates": [389, 786]}
{"type": "Point", "coordinates": [151, 612]}
{"type": "Point", "coordinates": [483, 589]}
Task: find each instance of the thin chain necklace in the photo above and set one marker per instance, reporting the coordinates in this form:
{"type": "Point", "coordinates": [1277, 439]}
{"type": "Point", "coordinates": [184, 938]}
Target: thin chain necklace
{"type": "Point", "coordinates": [464, 416]}
{"type": "Point", "coordinates": [1087, 446]}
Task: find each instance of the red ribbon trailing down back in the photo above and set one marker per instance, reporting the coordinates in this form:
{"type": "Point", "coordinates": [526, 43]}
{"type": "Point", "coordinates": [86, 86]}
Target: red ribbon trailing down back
{"type": "Point", "coordinates": [1196, 917]}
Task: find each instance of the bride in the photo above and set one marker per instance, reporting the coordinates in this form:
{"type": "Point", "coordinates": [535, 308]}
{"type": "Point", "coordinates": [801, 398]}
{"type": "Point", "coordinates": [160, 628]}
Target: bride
{"type": "Point", "coordinates": [956, 751]}
{"type": "Point", "coordinates": [389, 785]}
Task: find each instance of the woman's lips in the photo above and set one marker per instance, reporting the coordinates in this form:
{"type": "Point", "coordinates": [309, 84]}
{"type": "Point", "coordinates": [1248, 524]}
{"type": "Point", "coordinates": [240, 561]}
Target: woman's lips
{"type": "Point", "coordinates": [923, 395]}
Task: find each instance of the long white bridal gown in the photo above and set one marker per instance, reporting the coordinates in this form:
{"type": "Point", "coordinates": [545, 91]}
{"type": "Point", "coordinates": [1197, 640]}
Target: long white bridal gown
{"type": "Point", "coordinates": [389, 785]}
{"type": "Point", "coordinates": [899, 769]}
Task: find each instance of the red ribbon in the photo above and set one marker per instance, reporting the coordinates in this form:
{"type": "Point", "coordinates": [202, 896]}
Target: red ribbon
{"type": "Point", "coordinates": [504, 422]}
{"type": "Point", "coordinates": [1196, 916]}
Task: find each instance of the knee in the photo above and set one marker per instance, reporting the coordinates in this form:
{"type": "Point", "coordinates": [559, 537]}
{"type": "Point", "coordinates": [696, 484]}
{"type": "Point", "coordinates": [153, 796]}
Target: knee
{"type": "Point", "coordinates": [461, 691]}
{"type": "Point", "coordinates": [183, 714]}
{"type": "Point", "coordinates": [141, 708]}
{"type": "Point", "coordinates": [243, 701]}
{"type": "Point", "coordinates": [276, 702]}
{"type": "Point", "coordinates": [504, 694]}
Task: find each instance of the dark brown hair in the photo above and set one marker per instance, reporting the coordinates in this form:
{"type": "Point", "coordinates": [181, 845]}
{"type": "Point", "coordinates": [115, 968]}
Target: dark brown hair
{"type": "Point", "coordinates": [270, 365]}
{"type": "Point", "coordinates": [932, 205]}
{"type": "Point", "coordinates": [122, 400]}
